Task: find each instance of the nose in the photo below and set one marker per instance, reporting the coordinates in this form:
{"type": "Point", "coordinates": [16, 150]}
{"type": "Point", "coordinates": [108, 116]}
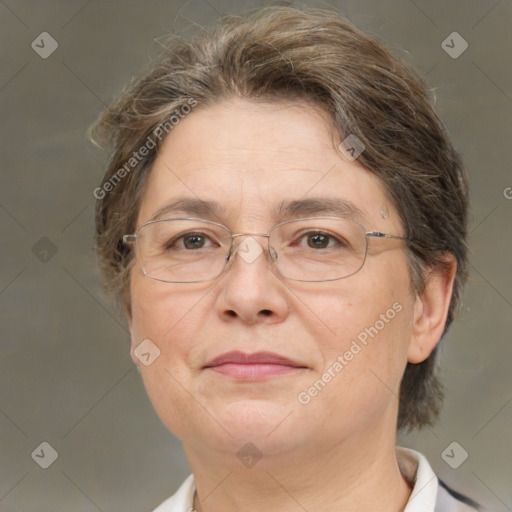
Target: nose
{"type": "Point", "coordinates": [251, 290]}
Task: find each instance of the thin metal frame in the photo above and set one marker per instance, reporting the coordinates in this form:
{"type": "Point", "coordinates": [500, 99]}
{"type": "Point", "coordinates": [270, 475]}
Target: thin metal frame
{"type": "Point", "coordinates": [271, 254]}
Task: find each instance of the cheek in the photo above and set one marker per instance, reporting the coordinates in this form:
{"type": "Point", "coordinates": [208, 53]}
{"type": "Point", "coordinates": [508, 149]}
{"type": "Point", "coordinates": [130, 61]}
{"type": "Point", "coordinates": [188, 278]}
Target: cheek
{"type": "Point", "coordinates": [361, 307]}
{"type": "Point", "coordinates": [370, 324]}
{"type": "Point", "coordinates": [163, 312]}
{"type": "Point", "coordinates": [170, 319]}
{"type": "Point", "coordinates": [361, 380]}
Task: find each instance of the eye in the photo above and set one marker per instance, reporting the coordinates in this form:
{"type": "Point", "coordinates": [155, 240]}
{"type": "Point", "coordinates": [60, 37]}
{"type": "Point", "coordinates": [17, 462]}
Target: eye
{"type": "Point", "coordinates": [194, 241]}
{"type": "Point", "coordinates": [322, 240]}
{"type": "Point", "coordinates": [318, 240]}
{"type": "Point", "coordinates": [190, 241]}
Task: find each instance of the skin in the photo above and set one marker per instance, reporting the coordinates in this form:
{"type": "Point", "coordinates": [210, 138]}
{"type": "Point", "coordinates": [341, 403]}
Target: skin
{"type": "Point", "coordinates": [337, 452]}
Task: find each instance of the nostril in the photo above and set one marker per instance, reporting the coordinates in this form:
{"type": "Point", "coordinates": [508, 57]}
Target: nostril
{"type": "Point", "coordinates": [265, 312]}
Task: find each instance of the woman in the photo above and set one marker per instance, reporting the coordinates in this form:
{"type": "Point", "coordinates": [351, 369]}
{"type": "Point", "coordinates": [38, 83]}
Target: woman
{"type": "Point", "coordinates": [283, 219]}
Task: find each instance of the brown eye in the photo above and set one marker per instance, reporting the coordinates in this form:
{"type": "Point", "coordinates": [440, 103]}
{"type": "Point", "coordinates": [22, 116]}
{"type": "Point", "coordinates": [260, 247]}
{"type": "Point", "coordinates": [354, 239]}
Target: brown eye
{"type": "Point", "coordinates": [191, 241]}
{"type": "Point", "coordinates": [318, 240]}
{"type": "Point", "coordinates": [194, 241]}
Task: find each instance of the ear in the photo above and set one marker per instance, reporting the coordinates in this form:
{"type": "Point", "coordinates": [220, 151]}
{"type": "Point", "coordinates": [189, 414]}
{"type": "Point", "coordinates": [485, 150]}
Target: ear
{"type": "Point", "coordinates": [431, 310]}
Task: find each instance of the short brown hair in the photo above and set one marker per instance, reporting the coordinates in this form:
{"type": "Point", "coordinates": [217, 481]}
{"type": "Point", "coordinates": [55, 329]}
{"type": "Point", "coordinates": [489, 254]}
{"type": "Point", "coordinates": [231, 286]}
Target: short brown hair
{"type": "Point", "coordinates": [289, 54]}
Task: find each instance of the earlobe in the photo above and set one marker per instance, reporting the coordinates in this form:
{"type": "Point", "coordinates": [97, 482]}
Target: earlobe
{"type": "Point", "coordinates": [431, 310]}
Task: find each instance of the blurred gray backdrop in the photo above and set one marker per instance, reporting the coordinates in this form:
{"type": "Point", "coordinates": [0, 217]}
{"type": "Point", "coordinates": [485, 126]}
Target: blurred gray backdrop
{"type": "Point", "coordinates": [66, 377]}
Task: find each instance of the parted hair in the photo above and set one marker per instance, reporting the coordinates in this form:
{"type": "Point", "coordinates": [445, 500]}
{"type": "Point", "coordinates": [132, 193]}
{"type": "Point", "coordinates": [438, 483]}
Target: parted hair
{"type": "Point", "coordinates": [295, 55]}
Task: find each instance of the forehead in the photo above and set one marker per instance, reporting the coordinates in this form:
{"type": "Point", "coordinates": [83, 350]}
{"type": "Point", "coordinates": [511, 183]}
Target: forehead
{"type": "Point", "coordinates": [245, 161]}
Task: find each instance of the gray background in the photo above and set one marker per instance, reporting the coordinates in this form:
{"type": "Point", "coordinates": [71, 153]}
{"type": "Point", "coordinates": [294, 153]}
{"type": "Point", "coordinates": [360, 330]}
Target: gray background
{"type": "Point", "coordinates": [65, 372]}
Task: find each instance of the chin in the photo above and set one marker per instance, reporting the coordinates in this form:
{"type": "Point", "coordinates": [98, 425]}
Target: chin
{"type": "Point", "coordinates": [270, 426]}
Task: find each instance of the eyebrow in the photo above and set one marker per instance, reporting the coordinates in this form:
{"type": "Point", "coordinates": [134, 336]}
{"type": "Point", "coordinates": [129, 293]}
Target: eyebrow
{"type": "Point", "coordinates": [285, 210]}
{"type": "Point", "coordinates": [190, 206]}
{"type": "Point", "coordinates": [312, 206]}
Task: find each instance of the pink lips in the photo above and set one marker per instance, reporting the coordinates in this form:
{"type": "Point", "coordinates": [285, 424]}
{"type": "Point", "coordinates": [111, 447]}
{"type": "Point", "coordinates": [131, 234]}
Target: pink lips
{"type": "Point", "coordinates": [252, 366]}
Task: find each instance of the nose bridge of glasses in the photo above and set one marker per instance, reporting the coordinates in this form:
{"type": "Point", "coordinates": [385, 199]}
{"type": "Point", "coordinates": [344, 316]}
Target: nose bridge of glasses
{"type": "Point", "coordinates": [250, 234]}
{"type": "Point", "coordinates": [243, 236]}
{"type": "Point", "coordinates": [247, 250]}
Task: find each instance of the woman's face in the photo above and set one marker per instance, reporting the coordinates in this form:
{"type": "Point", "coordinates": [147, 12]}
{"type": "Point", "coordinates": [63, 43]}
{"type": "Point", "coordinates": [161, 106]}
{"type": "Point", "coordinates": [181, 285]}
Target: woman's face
{"type": "Point", "coordinates": [249, 159]}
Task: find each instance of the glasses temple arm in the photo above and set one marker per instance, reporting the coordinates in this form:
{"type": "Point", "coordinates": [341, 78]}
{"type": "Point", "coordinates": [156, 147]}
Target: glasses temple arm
{"type": "Point", "coordinates": [129, 239]}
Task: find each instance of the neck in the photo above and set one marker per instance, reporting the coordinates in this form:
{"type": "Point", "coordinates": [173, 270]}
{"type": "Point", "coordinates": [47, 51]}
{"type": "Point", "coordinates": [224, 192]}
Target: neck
{"type": "Point", "coordinates": [341, 479]}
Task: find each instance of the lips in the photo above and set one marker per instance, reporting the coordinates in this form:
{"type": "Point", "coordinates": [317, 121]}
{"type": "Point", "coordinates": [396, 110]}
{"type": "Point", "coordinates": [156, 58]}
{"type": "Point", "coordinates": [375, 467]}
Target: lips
{"type": "Point", "coordinates": [256, 358]}
{"type": "Point", "coordinates": [253, 367]}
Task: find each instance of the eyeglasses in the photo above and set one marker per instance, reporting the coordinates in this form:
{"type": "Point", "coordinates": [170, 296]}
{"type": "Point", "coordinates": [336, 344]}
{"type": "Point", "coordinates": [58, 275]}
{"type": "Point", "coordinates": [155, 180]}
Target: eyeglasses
{"type": "Point", "coordinates": [189, 250]}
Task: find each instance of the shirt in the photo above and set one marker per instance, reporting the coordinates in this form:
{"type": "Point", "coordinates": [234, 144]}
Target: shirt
{"type": "Point", "coordinates": [429, 494]}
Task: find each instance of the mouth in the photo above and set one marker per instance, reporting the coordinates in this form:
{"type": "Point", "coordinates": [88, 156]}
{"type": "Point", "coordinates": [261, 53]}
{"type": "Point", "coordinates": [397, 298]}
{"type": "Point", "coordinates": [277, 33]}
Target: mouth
{"type": "Point", "coordinates": [259, 365]}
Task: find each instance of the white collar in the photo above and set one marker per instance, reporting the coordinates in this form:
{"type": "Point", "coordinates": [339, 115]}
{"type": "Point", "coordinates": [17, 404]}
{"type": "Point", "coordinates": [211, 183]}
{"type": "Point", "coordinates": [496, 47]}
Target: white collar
{"type": "Point", "coordinates": [420, 476]}
{"type": "Point", "coordinates": [413, 466]}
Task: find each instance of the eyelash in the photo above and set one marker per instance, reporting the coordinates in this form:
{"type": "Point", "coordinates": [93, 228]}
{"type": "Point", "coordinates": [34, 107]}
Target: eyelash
{"type": "Point", "coordinates": [171, 243]}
